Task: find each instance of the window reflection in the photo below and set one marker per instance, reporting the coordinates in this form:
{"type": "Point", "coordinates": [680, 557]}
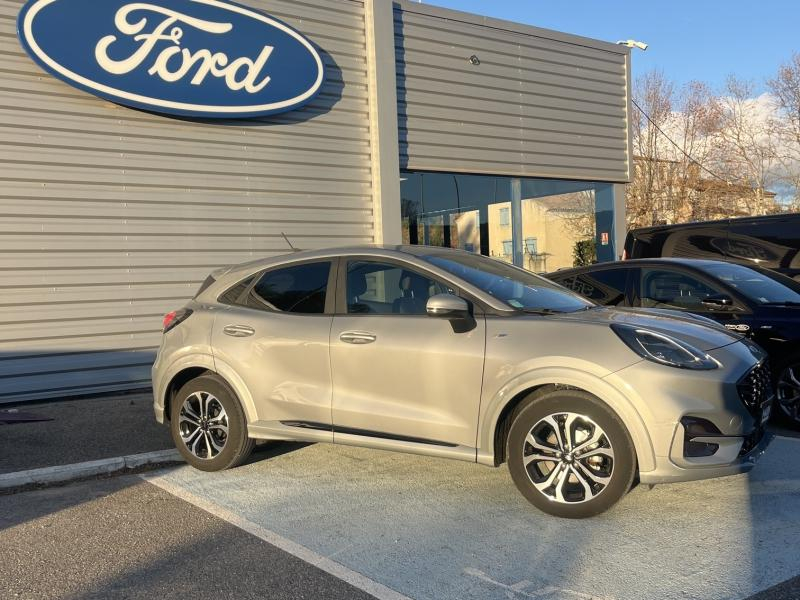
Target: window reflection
{"type": "Point", "coordinates": [539, 224]}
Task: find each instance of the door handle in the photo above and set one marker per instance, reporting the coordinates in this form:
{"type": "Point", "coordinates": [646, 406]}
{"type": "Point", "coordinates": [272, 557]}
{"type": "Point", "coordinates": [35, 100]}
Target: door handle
{"type": "Point", "coordinates": [238, 330]}
{"type": "Point", "coordinates": [357, 337]}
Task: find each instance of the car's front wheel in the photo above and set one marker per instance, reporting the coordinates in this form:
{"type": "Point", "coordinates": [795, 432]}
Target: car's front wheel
{"type": "Point", "coordinates": [208, 425]}
{"type": "Point", "coordinates": [787, 391]}
{"type": "Point", "coordinates": [569, 454]}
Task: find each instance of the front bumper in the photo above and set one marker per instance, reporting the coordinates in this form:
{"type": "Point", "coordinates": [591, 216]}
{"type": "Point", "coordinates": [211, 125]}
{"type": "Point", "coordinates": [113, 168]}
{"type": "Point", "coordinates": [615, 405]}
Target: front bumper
{"type": "Point", "coordinates": [668, 472]}
{"type": "Point", "coordinates": [701, 424]}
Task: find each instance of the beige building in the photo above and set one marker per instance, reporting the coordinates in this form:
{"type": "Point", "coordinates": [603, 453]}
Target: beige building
{"type": "Point", "coordinates": [665, 192]}
{"type": "Point", "coordinates": [551, 227]}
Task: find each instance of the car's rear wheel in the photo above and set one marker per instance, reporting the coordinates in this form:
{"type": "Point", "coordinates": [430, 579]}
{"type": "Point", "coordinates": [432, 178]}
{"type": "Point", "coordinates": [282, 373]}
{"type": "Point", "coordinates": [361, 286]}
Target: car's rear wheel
{"type": "Point", "coordinates": [208, 425]}
{"type": "Point", "coordinates": [569, 453]}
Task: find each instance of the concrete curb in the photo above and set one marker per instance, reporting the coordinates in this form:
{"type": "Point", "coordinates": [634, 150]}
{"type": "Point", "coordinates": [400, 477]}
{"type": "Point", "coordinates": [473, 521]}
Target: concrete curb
{"type": "Point", "coordinates": [64, 473]}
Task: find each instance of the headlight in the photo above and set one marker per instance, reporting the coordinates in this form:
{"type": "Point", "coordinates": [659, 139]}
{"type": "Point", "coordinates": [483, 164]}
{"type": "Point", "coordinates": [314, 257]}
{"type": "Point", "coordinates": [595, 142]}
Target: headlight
{"type": "Point", "coordinates": [664, 349]}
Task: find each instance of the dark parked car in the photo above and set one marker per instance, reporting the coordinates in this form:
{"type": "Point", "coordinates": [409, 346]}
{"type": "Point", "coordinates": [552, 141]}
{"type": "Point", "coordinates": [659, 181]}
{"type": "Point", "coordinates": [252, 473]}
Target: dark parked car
{"type": "Point", "coordinates": [759, 303]}
{"type": "Point", "coordinates": [772, 242]}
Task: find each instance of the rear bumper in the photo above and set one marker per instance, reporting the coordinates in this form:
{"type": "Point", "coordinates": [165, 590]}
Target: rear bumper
{"type": "Point", "coordinates": [668, 472]}
{"type": "Point", "coordinates": [158, 406]}
{"type": "Point", "coordinates": [159, 412]}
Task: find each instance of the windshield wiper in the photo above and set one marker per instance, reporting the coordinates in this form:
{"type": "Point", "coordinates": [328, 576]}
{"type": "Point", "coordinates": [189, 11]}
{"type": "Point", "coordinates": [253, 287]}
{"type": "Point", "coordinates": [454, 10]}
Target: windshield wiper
{"type": "Point", "coordinates": [541, 311]}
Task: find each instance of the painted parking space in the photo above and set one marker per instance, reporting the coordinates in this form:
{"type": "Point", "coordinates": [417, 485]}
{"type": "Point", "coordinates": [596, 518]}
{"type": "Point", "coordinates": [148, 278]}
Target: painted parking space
{"type": "Point", "coordinates": [431, 528]}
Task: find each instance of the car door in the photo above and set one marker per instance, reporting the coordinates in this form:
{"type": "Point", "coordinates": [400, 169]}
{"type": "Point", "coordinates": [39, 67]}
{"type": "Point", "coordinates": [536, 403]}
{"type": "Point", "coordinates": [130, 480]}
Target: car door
{"type": "Point", "coordinates": [274, 334]}
{"type": "Point", "coordinates": [398, 373]}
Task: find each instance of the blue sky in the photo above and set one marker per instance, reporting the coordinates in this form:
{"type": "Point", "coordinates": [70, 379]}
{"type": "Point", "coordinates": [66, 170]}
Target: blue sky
{"type": "Point", "coordinates": [700, 39]}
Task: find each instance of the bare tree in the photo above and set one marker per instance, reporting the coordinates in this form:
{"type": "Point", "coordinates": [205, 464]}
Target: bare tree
{"type": "Point", "coordinates": [653, 93]}
{"type": "Point", "coordinates": [747, 139]}
{"type": "Point", "coordinates": [674, 149]}
{"type": "Point", "coordinates": [785, 88]}
{"type": "Point", "coordinates": [697, 120]}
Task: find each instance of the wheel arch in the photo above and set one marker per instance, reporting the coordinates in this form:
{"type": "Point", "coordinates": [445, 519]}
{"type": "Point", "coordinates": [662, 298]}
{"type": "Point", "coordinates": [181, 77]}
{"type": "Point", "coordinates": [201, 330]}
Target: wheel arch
{"type": "Point", "coordinates": [189, 367]}
{"type": "Point", "coordinates": [496, 419]}
{"type": "Point", "coordinates": [180, 379]}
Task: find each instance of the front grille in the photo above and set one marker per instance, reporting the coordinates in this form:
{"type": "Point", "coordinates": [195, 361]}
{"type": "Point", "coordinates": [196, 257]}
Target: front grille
{"type": "Point", "coordinates": [756, 387]}
{"type": "Point", "coordinates": [751, 441]}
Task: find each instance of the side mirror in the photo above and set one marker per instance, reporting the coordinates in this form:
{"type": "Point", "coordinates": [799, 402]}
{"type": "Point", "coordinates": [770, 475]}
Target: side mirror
{"type": "Point", "coordinates": [718, 301]}
{"type": "Point", "coordinates": [447, 306]}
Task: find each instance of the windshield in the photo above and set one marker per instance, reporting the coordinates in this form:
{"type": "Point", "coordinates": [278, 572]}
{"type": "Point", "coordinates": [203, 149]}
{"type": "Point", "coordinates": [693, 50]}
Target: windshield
{"type": "Point", "coordinates": [759, 286]}
{"type": "Point", "coordinates": [516, 287]}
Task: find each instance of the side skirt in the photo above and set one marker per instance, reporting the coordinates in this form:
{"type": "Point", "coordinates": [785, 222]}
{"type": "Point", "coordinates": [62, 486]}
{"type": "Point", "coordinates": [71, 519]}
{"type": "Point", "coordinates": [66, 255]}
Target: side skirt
{"type": "Point", "coordinates": [322, 432]}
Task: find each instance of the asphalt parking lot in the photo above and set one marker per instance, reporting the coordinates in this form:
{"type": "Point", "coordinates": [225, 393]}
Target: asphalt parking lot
{"type": "Point", "coordinates": [124, 538]}
{"type": "Point", "coordinates": [323, 521]}
{"type": "Point", "coordinates": [437, 529]}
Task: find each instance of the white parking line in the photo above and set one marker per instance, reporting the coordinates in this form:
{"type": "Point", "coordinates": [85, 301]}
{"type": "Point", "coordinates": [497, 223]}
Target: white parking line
{"type": "Point", "coordinates": [522, 589]}
{"type": "Point", "coordinates": [357, 580]}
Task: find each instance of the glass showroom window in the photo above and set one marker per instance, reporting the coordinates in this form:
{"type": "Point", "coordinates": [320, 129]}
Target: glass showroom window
{"type": "Point", "coordinates": [539, 224]}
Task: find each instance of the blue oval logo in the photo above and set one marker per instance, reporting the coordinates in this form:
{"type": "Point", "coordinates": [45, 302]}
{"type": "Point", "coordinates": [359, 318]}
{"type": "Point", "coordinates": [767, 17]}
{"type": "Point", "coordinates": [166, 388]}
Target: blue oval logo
{"type": "Point", "coordinates": [201, 58]}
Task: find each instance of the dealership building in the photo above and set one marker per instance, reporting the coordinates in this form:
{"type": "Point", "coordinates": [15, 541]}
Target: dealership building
{"type": "Point", "coordinates": [429, 126]}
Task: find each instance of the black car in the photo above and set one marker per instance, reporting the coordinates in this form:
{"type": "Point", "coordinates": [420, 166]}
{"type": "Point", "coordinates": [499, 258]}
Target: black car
{"type": "Point", "coordinates": [771, 241]}
{"type": "Point", "coordinates": [759, 303]}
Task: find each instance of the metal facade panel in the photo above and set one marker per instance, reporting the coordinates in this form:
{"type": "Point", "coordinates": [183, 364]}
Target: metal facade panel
{"type": "Point", "coordinates": [539, 104]}
{"type": "Point", "coordinates": [110, 217]}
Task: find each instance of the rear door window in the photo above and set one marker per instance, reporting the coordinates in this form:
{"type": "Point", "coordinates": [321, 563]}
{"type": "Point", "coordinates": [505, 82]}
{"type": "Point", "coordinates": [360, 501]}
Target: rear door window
{"type": "Point", "coordinates": [604, 286]}
{"type": "Point", "coordinates": [297, 289]}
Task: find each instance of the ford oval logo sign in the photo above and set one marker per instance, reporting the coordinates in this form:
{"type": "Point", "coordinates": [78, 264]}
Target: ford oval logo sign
{"type": "Point", "coordinates": [201, 58]}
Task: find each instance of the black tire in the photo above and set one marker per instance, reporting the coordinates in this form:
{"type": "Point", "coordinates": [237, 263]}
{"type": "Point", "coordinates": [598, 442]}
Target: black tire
{"type": "Point", "coordinates": [237, 445]}
{"type": "Point", "coordinates": [593, 414]}
{"type": "Point", "coordinates": [785, 414]}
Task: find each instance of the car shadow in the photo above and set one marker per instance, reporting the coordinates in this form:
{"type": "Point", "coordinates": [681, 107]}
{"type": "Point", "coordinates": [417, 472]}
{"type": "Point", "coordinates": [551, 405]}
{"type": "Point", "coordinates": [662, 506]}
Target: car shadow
{"type": "Point", "coordinates": [267, 450]}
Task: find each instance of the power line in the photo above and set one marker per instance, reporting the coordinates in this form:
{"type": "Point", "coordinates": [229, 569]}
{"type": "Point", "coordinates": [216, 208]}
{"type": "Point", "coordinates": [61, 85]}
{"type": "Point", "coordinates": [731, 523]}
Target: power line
{"type": "Point", "coordinates": [671, 141]}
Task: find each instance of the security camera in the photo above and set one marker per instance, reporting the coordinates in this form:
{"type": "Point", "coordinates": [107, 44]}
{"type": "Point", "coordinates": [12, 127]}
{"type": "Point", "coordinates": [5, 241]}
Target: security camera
{"type": "Point", "coordinates": [633, 44]}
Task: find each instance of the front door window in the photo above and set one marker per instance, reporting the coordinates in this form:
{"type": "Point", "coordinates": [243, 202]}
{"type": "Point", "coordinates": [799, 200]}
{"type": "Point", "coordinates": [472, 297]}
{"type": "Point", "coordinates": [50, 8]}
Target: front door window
{"type": "Point", "coordinates": [667, 288]}
{"type": "Point", "coordinates": [385, 288]}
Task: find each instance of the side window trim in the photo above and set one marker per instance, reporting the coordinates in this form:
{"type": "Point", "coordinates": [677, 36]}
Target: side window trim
{"type": "Point", "coordinates": [632, 286]}
{"type": "Point", "coordinates": [243, 294]}
{"type": "Point", "coordinates": [332, 294]}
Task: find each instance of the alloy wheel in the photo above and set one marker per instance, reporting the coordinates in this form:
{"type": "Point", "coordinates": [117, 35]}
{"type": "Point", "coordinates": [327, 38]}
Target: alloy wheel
{"type": "Point", "coordinates": [203, 425]}
{"type": "Point", "coordinates": [788, 392]}
{"type": "Point", "coordinates": [568, 458]}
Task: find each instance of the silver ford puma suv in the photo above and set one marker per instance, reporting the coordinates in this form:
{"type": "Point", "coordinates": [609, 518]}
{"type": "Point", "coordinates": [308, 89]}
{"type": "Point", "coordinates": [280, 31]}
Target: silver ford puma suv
{"type": "Point", "coordinates": [451, 354]}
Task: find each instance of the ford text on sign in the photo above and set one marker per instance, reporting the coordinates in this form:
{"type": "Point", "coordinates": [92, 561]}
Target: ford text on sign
{"type": "Point", "coordinates": [203, 58]}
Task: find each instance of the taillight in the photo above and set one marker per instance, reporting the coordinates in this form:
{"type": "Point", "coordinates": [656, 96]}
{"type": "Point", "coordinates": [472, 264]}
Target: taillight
{"type": "Point", "coordinates": [174, 318]}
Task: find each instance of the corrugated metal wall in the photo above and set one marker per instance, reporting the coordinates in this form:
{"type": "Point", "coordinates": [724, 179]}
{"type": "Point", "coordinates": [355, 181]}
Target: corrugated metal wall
{"type": "Point", "coordinates": [539, 104]}
{"type": "Point", "coordinates": [110, 217]}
